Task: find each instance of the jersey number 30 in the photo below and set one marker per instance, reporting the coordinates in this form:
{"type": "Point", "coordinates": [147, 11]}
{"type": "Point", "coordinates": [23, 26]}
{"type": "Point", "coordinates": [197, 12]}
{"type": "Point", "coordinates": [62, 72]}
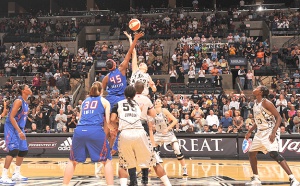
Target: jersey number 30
{"type": "Point", "coordinates": [90, 105]}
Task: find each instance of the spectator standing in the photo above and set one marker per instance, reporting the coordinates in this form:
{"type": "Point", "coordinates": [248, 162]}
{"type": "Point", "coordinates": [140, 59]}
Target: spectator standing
{"type": "Point", "coordinates": [53, 111]}
{"type": "Point", "coordinates": [173, 75]}
{"type": "Point", "coordinates": [242, 74]}
{"type": "Point", "coordinates": [218, 80]}
{"type": "Point", "coordinates": [69, 112]}
{"type": "Point", "coordinates": [72, 124]}
{"type": "Point", "coordinates": [250, 78]}
{"type": "Point", "coordinates": [61, 120]}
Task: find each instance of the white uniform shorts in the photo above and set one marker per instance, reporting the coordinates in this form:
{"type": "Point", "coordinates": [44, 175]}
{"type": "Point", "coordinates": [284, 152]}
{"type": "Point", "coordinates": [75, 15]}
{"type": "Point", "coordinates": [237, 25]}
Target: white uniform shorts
{"type": "Point", "coordinates": [262, 143]}
{"type": "Point", "coordinates": [167, 139]}
{"type": "Point", "coordinates": [135, 149]}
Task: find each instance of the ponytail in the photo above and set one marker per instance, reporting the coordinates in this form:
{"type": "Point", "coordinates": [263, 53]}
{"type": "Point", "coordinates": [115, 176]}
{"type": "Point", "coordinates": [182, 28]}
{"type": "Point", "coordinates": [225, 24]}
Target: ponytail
{"type": "Point", "coordinates": [129, 94]}
{"type": "Point", "coordinates": [130, 101]}
{"type": "Point", "coordinates": [95, 90]}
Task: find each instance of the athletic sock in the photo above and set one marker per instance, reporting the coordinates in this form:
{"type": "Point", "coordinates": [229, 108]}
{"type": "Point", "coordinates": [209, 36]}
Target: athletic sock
{"type": "Point", "coordinates": [4, 172]}
{"type": "Point", "coordinates": [132, 174]}
{"type": "Point", "coordinates": [255, 175]}
{"type": "Point", "coordinates": [165, 180]}
{"type": "Point", "coordinates": [291, 176]}
{"type": "Point", "coordinates": [17, 169]}
{"type": "Point", "coordinates": [123, 181]}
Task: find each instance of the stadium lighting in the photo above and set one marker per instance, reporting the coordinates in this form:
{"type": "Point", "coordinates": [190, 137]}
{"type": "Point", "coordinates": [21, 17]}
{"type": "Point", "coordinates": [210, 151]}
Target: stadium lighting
{"type": "Point", "coordinates": [260, 8]}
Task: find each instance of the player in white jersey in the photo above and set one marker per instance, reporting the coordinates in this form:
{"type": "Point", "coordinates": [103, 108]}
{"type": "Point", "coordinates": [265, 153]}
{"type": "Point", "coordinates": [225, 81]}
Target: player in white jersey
{"type": "Point", "coordinates": [267, 121]}
{"type": "Point", "coordinates": [135, 147]}
{"type": "Point", "coordinates": [139, 73]}
{"type": "Point", "coordinates": [164, 132]}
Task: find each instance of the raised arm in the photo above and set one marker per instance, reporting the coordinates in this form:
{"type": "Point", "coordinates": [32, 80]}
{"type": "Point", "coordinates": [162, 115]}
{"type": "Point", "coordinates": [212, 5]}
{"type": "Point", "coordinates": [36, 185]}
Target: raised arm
{"type": "Point", "coordinates": [104, 82]}
{"type": "Point", "coordinates": [152, 84]}
{"type": "Point", "coordinates": [134, 55]}
{"type": "Point", "coordinates": [124, 64]}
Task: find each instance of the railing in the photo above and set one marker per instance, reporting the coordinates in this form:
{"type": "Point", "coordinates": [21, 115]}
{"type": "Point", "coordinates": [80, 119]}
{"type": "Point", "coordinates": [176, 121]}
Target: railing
{"type": "Point", "coordinates": [35, 38]}
{"type": "Point", "coordinates": [292, 40]}
{"type": "Point", "coordinates": [238, 86]}
{"type": "Point", "coordinates": [284, 32]}
{"type": "Point", "coordinates": [77, 93]}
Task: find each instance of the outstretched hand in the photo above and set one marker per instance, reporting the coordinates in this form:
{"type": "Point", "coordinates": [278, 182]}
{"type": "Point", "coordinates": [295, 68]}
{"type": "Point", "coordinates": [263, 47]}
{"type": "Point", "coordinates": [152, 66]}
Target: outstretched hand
{"type": "Point", "coordinates": [139, 35]}
{"type": "Point", "coordinates": [128, 35]}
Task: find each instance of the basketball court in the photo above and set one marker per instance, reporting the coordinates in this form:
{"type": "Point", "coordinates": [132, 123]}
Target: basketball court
{"type": "Point", "coordinates": [49, 171]}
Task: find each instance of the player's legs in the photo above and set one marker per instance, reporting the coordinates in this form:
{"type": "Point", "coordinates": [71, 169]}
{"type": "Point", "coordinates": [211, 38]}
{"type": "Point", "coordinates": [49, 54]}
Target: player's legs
{"type": "Point", "coordinates": [127, 156]}
{"type": "Point", "coordinates": [108, 172]}
{"type": "Point", "coordinates": [180, 157]}
{"type": "Point", "coordinates": [23, 150]}
{"type": "Point", "coordinates": [69, 171]}
{"type": "Point", "coordinates": [253, 162]}
{"type": "Point", "coordinates": [12, 143]}
{"type": "Point", "coordinates": [161, 173]}
{"type": "Point", "coordinates": [123, 175]}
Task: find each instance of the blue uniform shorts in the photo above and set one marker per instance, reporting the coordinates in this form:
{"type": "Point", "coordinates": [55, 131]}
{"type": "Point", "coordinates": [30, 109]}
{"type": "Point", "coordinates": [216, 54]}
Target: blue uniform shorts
{"type": "Point", "coordinates": [92, 141]}
{"type": "Point", "coordinates": [12, 139]}
{"type": "Point", "coordinates": [114, 99]}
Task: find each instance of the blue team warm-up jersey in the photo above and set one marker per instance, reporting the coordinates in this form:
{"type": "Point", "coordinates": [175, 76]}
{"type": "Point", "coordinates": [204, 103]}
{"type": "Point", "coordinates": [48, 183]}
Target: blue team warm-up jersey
{"type": "Point", "coordinates": [21, 116]}
{"type": "Point", "coordinates": [116, 83]}
{"type": "Point", "coordinates": [92, 112]}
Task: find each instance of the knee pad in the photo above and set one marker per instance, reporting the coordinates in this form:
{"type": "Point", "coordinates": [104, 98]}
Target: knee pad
{"type": "Point", "coordinates": [177, 151]}
{"type": "Point", "coordinates": [22, 153]}
{"type": "Point", "coordinates": [276, 156]}
{"type": "Point", "coordinates": [13, 153]}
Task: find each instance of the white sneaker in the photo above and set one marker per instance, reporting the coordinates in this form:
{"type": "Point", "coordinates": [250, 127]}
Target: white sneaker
{"type": "Point", "coordinates": [184, 171]}
{"type": "Point", "coordinates": [254, 181]}
{"type": "Point", "coordinates": [18, 177]}
{"type": "Point", "coordinates": [159, 158]}
{"type": "Point", "coordinates": [294, 182]}
{"type": "Point", "coordinates": [7, 181]}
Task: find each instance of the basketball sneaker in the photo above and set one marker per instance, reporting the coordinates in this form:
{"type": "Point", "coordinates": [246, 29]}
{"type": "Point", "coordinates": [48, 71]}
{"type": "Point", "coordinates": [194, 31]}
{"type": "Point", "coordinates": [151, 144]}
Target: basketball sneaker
{"type": "Point", "coordinates": [294, 182]}
{"type": "Point", "coordinates": [7, 181]}
{"type": "Point", "coordinates": [159, 158]}
{"type": "Point", "coordinates": [184, 171]}
{"type": "Point", "coordinates": [254, 181]}
{"type": "Point", "coordinates": [18, 177]}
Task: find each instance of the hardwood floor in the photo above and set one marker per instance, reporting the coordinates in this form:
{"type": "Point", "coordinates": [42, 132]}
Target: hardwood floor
{"type": "Point", "coordinates": [49, 171]}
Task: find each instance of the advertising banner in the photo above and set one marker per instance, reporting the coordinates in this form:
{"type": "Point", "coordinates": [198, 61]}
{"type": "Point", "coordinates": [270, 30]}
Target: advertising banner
{"type": "Point", "coordinates": [212, 146]}
{"type": "Point", "coordinates": [237, 61]}
{"type": "Point", "coordinates": [204, 147]}
{"type": "Point", "coordinates": [44, 146]}
{"type": "Point", "coordinates": [289, 148]}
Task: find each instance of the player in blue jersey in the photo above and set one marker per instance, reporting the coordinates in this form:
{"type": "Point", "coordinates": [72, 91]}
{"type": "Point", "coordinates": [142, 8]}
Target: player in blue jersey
{"type": "Point", "coordinates": [115, 81]}
{"type": "Point", "coordinates": [90, 135]}
{"type": "Point", "coordinates": [14, 135]}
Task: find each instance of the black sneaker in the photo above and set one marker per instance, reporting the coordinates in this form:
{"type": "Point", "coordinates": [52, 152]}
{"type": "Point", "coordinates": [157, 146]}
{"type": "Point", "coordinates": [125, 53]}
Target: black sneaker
{"type": "Point", "coordinates": [145, 180]}
{"type": "Point", "coordinates": [133, 183]}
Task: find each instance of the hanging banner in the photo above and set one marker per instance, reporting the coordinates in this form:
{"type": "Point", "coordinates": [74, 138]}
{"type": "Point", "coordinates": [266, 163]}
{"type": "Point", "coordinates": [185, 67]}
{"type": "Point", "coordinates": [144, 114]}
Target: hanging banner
{"type": "Point", "coordinates": [237, 61]}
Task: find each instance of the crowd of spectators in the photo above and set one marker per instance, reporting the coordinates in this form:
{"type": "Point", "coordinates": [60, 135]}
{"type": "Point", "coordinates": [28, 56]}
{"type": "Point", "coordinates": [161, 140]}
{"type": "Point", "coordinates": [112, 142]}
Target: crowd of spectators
{"type": "Point", "coordinates": [233, 113]}
{"type": "Point", "coordinates": [35, 27]}
{"type": "Point", "coordinates": [203, 46]}
{"type": "Point", "coordinates": [48, 69]}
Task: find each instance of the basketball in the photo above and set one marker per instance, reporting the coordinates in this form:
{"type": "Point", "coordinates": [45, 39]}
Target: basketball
{"type": "Point", "coordinates": [134, 24]}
